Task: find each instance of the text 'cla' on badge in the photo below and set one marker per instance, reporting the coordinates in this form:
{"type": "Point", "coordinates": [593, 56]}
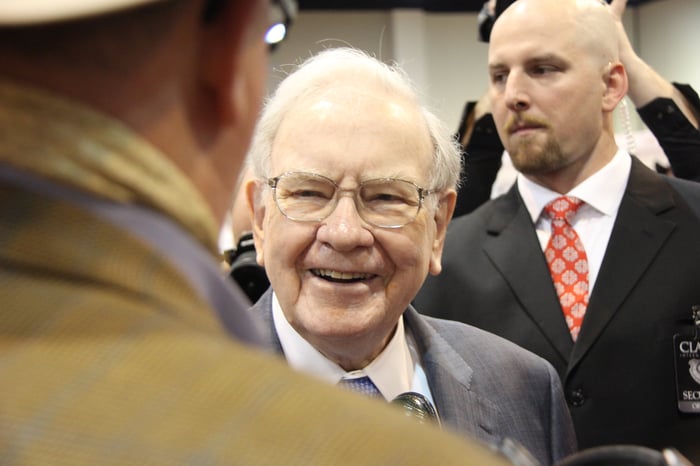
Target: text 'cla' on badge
{"type": "Point", "coordinates": [687, 365]}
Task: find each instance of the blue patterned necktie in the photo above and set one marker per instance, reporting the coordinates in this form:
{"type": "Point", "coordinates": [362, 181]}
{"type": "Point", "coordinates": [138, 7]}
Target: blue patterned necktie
{"type": "Point", "coordinates": [361, 385]}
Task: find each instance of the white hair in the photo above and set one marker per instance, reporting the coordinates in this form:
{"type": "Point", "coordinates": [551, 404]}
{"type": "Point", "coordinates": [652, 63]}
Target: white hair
{"type": "Point", "coordinates": [329, 69]}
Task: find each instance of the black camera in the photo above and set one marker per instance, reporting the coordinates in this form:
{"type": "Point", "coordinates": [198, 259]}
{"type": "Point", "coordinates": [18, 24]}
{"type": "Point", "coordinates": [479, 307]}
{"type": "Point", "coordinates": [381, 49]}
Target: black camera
{"type": "Point", "coordinates": [245, 270]}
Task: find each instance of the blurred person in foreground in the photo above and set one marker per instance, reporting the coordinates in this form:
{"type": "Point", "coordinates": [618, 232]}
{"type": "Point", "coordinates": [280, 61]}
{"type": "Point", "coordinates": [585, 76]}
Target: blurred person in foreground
{"type": "Point", "coordinates": [588, 259]}
{"type": "Point", "coordinates": [355, 188]}
{"type": "Point", "coordinates": [123, 126]}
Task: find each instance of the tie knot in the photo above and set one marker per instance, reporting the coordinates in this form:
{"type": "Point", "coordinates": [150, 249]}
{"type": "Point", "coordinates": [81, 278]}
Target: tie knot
{"type": "Point", "coordinates": [363, 385]}
{"type": "Point", "coordinates": [563, 207]}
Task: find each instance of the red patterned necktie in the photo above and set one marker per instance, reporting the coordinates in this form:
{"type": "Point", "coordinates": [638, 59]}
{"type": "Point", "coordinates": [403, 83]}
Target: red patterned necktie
{"type": "Point", "coordinates": [567, 261]}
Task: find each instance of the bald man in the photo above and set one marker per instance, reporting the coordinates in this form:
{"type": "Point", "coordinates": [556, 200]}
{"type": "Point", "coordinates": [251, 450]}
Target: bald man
{"type": "Point", "coordinates": [601, 290]}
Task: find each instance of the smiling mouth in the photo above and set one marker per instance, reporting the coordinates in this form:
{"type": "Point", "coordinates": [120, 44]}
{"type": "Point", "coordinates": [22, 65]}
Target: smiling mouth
{"type": "Point", "coordinates": [341, 277]}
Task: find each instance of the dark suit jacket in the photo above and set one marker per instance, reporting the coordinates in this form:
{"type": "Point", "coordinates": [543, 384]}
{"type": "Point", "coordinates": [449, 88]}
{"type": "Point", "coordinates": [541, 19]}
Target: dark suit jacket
{"type": "Point", "coordinates": [619, 376]}
{"type": "Point", "coordinates": [483, 386]}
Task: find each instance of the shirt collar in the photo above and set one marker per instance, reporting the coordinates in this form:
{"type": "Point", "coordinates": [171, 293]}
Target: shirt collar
{"type": "Point", "coordinates": [80, 147]}
{"type": "Point", "coordinates": [392, 371]}
{"type": "Point", "coordinates": [602, 191]}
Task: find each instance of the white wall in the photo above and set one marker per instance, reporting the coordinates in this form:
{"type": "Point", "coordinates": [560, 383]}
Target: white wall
{"type": "Point", "coordinates": [457, 64]}
{"type": "Point", "coordinates": [441, 53]}
{"type": "Point", "coordinates": [315, 30]}
{"type": "Point", "coordinates": [669, 39]}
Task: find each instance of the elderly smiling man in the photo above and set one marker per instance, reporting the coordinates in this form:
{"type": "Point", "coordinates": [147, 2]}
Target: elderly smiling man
{"type": "Point", "coordinates": [355, 188]}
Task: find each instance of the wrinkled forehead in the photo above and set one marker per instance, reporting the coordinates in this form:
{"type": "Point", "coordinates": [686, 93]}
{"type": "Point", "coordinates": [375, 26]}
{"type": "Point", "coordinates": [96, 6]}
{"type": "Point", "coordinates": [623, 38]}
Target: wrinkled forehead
{"type": "Point", "coordinates": [352, 107]}
{"type": "Point", "coordinates": [359, 120]}
{"type": "Point", "coordinates": [349, 96]}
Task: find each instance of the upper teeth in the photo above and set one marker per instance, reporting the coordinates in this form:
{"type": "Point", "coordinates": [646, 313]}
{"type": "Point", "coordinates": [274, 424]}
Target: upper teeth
{"type": "Point", "coordinates": [341, 275]}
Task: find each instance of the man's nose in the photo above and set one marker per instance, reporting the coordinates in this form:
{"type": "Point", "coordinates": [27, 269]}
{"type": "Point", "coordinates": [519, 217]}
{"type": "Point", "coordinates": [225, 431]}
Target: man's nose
{"type": "Point", "coordinates": [344, 229]}
{"type": "Point", "coordinates": [516, 95]}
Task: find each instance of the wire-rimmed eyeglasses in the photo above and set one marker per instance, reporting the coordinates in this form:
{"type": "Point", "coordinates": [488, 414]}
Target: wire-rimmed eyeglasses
{"type": "Point", "coordinates": [282, 14]}
{"type": "Point", "coordinates": [382, 202]}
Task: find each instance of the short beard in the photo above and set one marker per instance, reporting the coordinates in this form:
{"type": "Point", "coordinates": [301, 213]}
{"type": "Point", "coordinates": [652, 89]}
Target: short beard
{"type": "Point", "coordinates": [531, 158]}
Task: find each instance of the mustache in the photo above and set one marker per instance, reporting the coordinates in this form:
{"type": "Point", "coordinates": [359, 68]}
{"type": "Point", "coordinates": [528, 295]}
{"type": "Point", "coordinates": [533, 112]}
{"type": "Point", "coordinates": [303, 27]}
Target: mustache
{"type": "Point", "coordinates": [520, 121]}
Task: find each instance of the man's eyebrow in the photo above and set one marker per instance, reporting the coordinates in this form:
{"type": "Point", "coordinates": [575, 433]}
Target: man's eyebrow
{"type": "Point", "coordinates": [547, 58]}
{"type": "Point", "coordinates": [497, 66]}
{"type": "Point", "coordinates": [544, 58]}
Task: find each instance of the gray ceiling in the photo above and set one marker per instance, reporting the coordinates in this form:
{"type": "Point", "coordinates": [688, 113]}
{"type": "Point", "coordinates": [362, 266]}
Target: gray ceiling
{"type": "Point", "coordinates": [428, 5]}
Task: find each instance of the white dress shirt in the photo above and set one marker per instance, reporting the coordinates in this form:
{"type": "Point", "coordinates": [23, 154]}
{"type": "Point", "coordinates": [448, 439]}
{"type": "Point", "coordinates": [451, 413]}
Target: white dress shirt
{"type": "Point", "coordinates": [397, 369]}
{"type": "Point", "coordinates": [602, 193]}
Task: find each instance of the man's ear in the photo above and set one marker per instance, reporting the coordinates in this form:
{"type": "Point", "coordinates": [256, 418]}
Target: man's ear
{"type": "Point", "coordinates": [443, 215]}
{"type": "Point", "coordinates": [616, 86]}
{"type": "Point", "coordinates": [254, 191]}
{"type": "Point", "coordinates": [233, 58]}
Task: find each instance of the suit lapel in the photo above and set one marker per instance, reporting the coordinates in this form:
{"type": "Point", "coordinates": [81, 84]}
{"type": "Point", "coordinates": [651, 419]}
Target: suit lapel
{"type": "Point", "coordinates": [514, 250]}
{"type": "Point", "coordinates": [637, 236]}
{"type": "Point", "coordinates": [448, 374]}
{"type": "Point", "coordinates": [449, 377]}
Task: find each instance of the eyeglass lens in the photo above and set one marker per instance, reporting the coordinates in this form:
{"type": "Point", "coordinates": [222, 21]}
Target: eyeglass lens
{"type": "Point", "coordinates": [388, 203]}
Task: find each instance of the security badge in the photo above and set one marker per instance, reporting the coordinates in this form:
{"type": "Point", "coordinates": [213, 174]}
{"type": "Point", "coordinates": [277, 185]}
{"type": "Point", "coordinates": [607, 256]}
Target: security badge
{"type": "Point", "coordinates": [687, 359]}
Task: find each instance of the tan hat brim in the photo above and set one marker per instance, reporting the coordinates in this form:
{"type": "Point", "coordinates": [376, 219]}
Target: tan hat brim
{"type": "Point", "coordinates": [29, 12]}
